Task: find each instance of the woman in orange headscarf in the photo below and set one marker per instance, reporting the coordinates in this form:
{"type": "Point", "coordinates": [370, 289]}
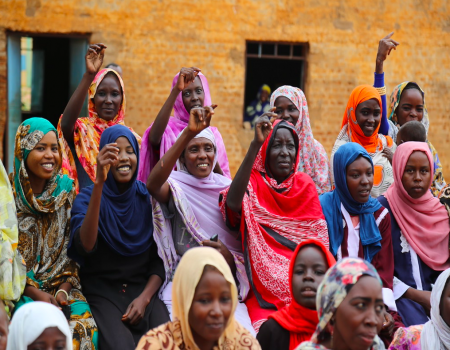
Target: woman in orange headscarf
{"type": "Point", "coordinates": [360, 124]}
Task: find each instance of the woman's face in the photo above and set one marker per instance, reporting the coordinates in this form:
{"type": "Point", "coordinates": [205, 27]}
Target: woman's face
{"type": "Point", "coordinates": [211, 308]}
{"type": "Point", "coordinates": [50, 339]}
{"type": "Point", "coordinates": [108, 97]}
{"type": "Point", "coordinates": [193, 95]}
{"type": "Point", "coordinates": [416, 177]}
{"type": "Point", "coordinates": [309, 268]}
{"type": "Point", "coordinates": [368, 116]}
{"type": "Point", "coordinates": [282, 154]}
{"type": "Point", "coordinates": [126, 166]}
{"type": "Point", "coordinates": [410, 106]}
{"type": "Point", "coordinates": [44, 159]}
{"type": "Point", "coordinates": [198, 157]}
{"type": "Point", "coordinates": [286, 110]}
{"type": "Point", "coordinates": [444, 305]}
{"type": "Point", "coordinates": [360, 179]}
{"type": "Point", "coordinates": [360, 316]}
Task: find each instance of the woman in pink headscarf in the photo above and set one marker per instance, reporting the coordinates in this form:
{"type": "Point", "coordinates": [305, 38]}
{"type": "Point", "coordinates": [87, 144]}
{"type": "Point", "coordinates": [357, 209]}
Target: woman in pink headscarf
{"type": "Point", "coordinates": [289, 103]}
{"type": "Point", "coordinates": [189, 89]}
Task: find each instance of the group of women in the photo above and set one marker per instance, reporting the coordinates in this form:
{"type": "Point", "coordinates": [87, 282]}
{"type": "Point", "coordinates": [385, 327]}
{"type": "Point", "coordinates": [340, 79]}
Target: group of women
{"type": "Point", "coordinates": [149, 244]}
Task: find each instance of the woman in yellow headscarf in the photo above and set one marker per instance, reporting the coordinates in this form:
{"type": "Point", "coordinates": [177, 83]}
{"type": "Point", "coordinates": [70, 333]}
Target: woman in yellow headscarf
{"type": "Point", "coordinates": [204, 297]}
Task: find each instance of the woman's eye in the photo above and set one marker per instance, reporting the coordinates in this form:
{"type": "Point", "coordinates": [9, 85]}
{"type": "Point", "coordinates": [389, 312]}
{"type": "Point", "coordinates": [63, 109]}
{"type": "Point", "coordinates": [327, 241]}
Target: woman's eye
{"type": "Point", "coordinates": [355, 176]}
{"type": "Point", "coordinates": [299, 272]}
{"type": "Point", "coordinates": [278, 111]}
{"type": "Point", "coordinates": [379, 308]}
{"type": "Point", "coordinates": [54, 149]}
{"type": "Point", "coordinates": [360, 305]}
{"type": "Point", "coordinates": [376, 114]}
{"type": "Point", "coordinates": [199, 91]}
{"type": "Point", "coordinates": [225, 299]}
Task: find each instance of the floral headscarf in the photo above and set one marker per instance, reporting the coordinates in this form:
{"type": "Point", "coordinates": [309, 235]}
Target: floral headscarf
{"type": "Point", "coordinates": [87, 133]}
{"type": "Point", "coordinates": [313, 158]}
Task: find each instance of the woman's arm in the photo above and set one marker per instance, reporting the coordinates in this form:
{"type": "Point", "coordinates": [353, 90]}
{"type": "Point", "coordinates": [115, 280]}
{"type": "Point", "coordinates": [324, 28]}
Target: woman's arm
{"type": "Point", "coordinates": [385, 47]}
{"type": "Point", "coordinates": [187, 76]}
{"type": "Point", "coordinates": [89, 229]}
{"type": "Point", "coordinates": [94, 60]}
{"type": "Point", "coordinates": [236, 193]}
{"type": "Point", "coordinates": [157, 185]}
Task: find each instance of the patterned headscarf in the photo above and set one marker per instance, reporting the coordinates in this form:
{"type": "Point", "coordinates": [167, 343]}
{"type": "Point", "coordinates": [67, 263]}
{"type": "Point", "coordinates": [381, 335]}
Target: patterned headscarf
{"type": "Point", "coordinates": [313, 158]}
{"type": "Point", "coordinates": [43, 220]}
{"type": "Point", "coordinates": [87, 132]}
{"type": "Point", "coordinates": [332, 291]}
{"type": "Point", "coordinates": [395, 100]}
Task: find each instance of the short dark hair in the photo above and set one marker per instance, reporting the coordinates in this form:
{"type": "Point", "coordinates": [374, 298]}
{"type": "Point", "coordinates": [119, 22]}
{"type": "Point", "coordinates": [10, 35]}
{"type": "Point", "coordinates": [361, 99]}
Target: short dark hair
{"type": "Point", "coordinates": [413, 131]}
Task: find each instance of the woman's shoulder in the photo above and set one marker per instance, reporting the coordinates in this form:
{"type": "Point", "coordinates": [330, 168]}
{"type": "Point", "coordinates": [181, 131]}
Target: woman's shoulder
{"type": "Point", "coordinates": [407, 338]}
{"type": "Point", "coordinates": [244, 339]}
{"type": "Point", "coordinates": [162, 337]}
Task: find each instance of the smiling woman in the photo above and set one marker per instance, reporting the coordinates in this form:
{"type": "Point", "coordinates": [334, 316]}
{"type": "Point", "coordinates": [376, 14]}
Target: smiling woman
{"type": "Point", "coordinates": [361, 124]}
{"type": "Point", "coordinates": [80, 137]}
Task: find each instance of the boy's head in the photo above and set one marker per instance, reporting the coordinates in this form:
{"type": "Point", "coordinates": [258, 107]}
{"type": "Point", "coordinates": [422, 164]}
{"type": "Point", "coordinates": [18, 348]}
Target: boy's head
{"type": "Point", "coordinates": [411, 131]}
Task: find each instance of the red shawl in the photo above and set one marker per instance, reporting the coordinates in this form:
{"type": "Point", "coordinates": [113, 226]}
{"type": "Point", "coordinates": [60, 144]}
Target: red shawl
{"type": "Point", "coordinates": [291, 209]}
{"type": "Point", "coordinates": [300, 321]}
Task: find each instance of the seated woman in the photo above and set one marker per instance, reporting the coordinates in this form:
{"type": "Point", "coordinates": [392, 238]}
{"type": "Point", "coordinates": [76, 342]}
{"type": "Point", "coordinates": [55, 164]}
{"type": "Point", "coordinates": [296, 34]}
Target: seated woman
{"type": "Point", "coordinates": [360, 124]}
{"type": "Point", "coordinates": [39, 326]}
{"type": "Point", "coordinates": [350, 308]}
{"type": "Point", "coordinates": [358, 226]}
{"type": "Point", "coordinates": [407, 103]}
{"type": "Point", "coordinates": [420, 231]}
{"type": "Point", "coordinates": [296, 323]}
{"type": "Point", "coordinates": [259, 203]}
{"type": "Point", "coordinates": [12, 267]}
{"type": "Point", "coordinates": [259, 105]}
{"type": "Point", "coordinates": [190, 89]}
{"type": "Point", "coordinates": [289, 103]}
{"type": "Point", "coordinates": [80, 137]}
{"type": "Point", "coordinates": [112, 239]}
{"type": "Point", "coordinates": [204, 300]}
{"type": "Point", "coordinates": [435, 334]}
{"type": "Point", "coordinates": [43, 198]}
{"type": "Point", "coordinates": [185, 201]}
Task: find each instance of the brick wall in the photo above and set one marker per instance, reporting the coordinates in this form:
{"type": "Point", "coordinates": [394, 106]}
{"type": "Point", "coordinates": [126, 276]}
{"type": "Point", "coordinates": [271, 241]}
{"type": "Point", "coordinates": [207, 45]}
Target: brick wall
{"type": "Point", "coordinates": [152, 39]}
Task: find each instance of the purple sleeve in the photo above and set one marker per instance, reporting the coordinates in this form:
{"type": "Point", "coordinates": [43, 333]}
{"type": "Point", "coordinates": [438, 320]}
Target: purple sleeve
{"type": "Point", "coordinates": [379, 82]}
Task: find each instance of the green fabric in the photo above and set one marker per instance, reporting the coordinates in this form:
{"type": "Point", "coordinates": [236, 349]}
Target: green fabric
{"type": "Point", "coordinates": [22, 301]}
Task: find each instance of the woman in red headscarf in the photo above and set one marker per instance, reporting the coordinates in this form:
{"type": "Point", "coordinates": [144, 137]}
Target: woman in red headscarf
{"type": "Point", "coordinates": [274, 207]}
{"type": "Point", "coordinates": [296, 323]}
{"type": "Point", "coordinates": [361, 124]}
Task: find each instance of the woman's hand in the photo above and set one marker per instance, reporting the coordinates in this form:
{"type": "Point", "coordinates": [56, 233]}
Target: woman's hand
{"type": "Point", "coordinates": [107, 156]}
{"type": "Point", "coordinates": [263, 127]}
{"type": "Point", "coordinates": [388, 324]}
{"type": "Point", "coordinates": [94, 58]}
{"type": "Point", "coordinates": [222, 249]}
{"type": "Point", "coordinates": [385, 46]}
{"type": "Point", "coordinates": [200, 118]}
{"type": "Point", "coordinates": [187, 76]}
{"type": "Point", "coordinates": [217, 169]}
{"type": "Point", "coordinates": [39, 295]}
{"type": "Point", "coordinates": [135, 311]}
{"type": "Point", "coordinates": [387, 153]}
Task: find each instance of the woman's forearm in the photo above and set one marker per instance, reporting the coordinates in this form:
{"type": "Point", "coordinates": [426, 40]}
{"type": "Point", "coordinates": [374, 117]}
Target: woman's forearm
{"type": "Point", "coordinates": [89, 228]}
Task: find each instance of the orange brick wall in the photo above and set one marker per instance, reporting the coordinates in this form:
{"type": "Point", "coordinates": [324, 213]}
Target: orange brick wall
{"type": "Point", "coordinates": [152, 39]}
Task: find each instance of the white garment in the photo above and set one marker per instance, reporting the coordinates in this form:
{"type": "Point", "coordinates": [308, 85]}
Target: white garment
{"type": "Point", "coordinates": [241, 313]}
{"type": "Point", "coordinates": [436, 333]}
{"type": "Point", "coordinates": [31, 320]}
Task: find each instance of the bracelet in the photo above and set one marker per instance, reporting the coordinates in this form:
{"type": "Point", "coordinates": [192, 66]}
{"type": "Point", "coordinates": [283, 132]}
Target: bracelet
{"type": "Point", "coordinates": [381, 90]}
{"type": "Point", "coordinates": [62, 290]}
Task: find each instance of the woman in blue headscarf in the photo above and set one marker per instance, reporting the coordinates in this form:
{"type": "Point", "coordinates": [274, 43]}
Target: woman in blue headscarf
{"type": "Point", "coordinates": [112, 239]}
{"type": "Point", "coordinates": [358, 226]}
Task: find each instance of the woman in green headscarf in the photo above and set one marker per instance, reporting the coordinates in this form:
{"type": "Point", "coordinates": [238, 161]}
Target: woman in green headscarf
{"type": "Point", "coordinates": [44, 198]}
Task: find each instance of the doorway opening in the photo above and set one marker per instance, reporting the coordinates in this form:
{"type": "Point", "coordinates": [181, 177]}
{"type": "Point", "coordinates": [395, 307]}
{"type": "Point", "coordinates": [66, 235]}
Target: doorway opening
{"type": "Point", "coordinates": [43, 72]}
{"type": "Point", "coordinates": [274, 64]}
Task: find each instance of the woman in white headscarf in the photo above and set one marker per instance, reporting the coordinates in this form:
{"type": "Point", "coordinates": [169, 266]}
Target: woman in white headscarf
{"type": "Point", "coordinates": [39, 322]}
{"type": "Point", "coordinates": [435, 334]}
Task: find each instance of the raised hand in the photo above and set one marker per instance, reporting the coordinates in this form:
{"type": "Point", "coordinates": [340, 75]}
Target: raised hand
{"type": "Point", "coordinates": [385, 46]}
{"type": "Point", "coordinates": [106, 157]}
{"type": "Point", "coordinates": [187, 76]}
{"type": "Point", "coordinates": [200, 118]}
{"type": "Point", "coordinates": [263, 127]}
{"type": "Point", "coordinates": [94, 58]}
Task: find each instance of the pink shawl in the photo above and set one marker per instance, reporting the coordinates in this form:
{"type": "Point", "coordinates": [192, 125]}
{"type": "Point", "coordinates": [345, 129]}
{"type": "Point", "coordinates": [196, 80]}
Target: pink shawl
{"type": "Point", "coordinates": [424, 222]}
{"type": "Point", "coordinates": [176, 124]}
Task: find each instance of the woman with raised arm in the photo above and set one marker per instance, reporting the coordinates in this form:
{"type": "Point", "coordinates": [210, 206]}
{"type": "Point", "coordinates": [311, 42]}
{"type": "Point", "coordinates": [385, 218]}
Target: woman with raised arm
{"type": "Point", "coordinates": [274, 207]}
{"type": "Point", "coordinates": [112, 239]}
{"type": "Point", "coordinates": [186, 212]}
{"type": "Point", "coordinates": [80, 137]}
{"type": "Point", "coordinates": [44, 199]}
{"type": "Point", "coordinates": [190, 89]}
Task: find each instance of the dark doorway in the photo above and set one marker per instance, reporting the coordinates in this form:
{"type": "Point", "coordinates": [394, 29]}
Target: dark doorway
{"type": "Point", "coordinates": [274, 64]}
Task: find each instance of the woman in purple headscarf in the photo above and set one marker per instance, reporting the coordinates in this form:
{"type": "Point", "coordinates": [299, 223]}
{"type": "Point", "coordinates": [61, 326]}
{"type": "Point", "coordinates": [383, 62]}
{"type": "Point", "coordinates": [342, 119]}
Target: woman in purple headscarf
{"type": "Point", "coordinates": [189, 89]}
{"type": "Point", "coordinates": [186, 210]}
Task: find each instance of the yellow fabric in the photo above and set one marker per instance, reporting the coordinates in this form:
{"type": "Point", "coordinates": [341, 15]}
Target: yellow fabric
{"type": "Point", "coordinates": [12, 266]}
{"type": "Point", "coordinates": [187, 276]}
